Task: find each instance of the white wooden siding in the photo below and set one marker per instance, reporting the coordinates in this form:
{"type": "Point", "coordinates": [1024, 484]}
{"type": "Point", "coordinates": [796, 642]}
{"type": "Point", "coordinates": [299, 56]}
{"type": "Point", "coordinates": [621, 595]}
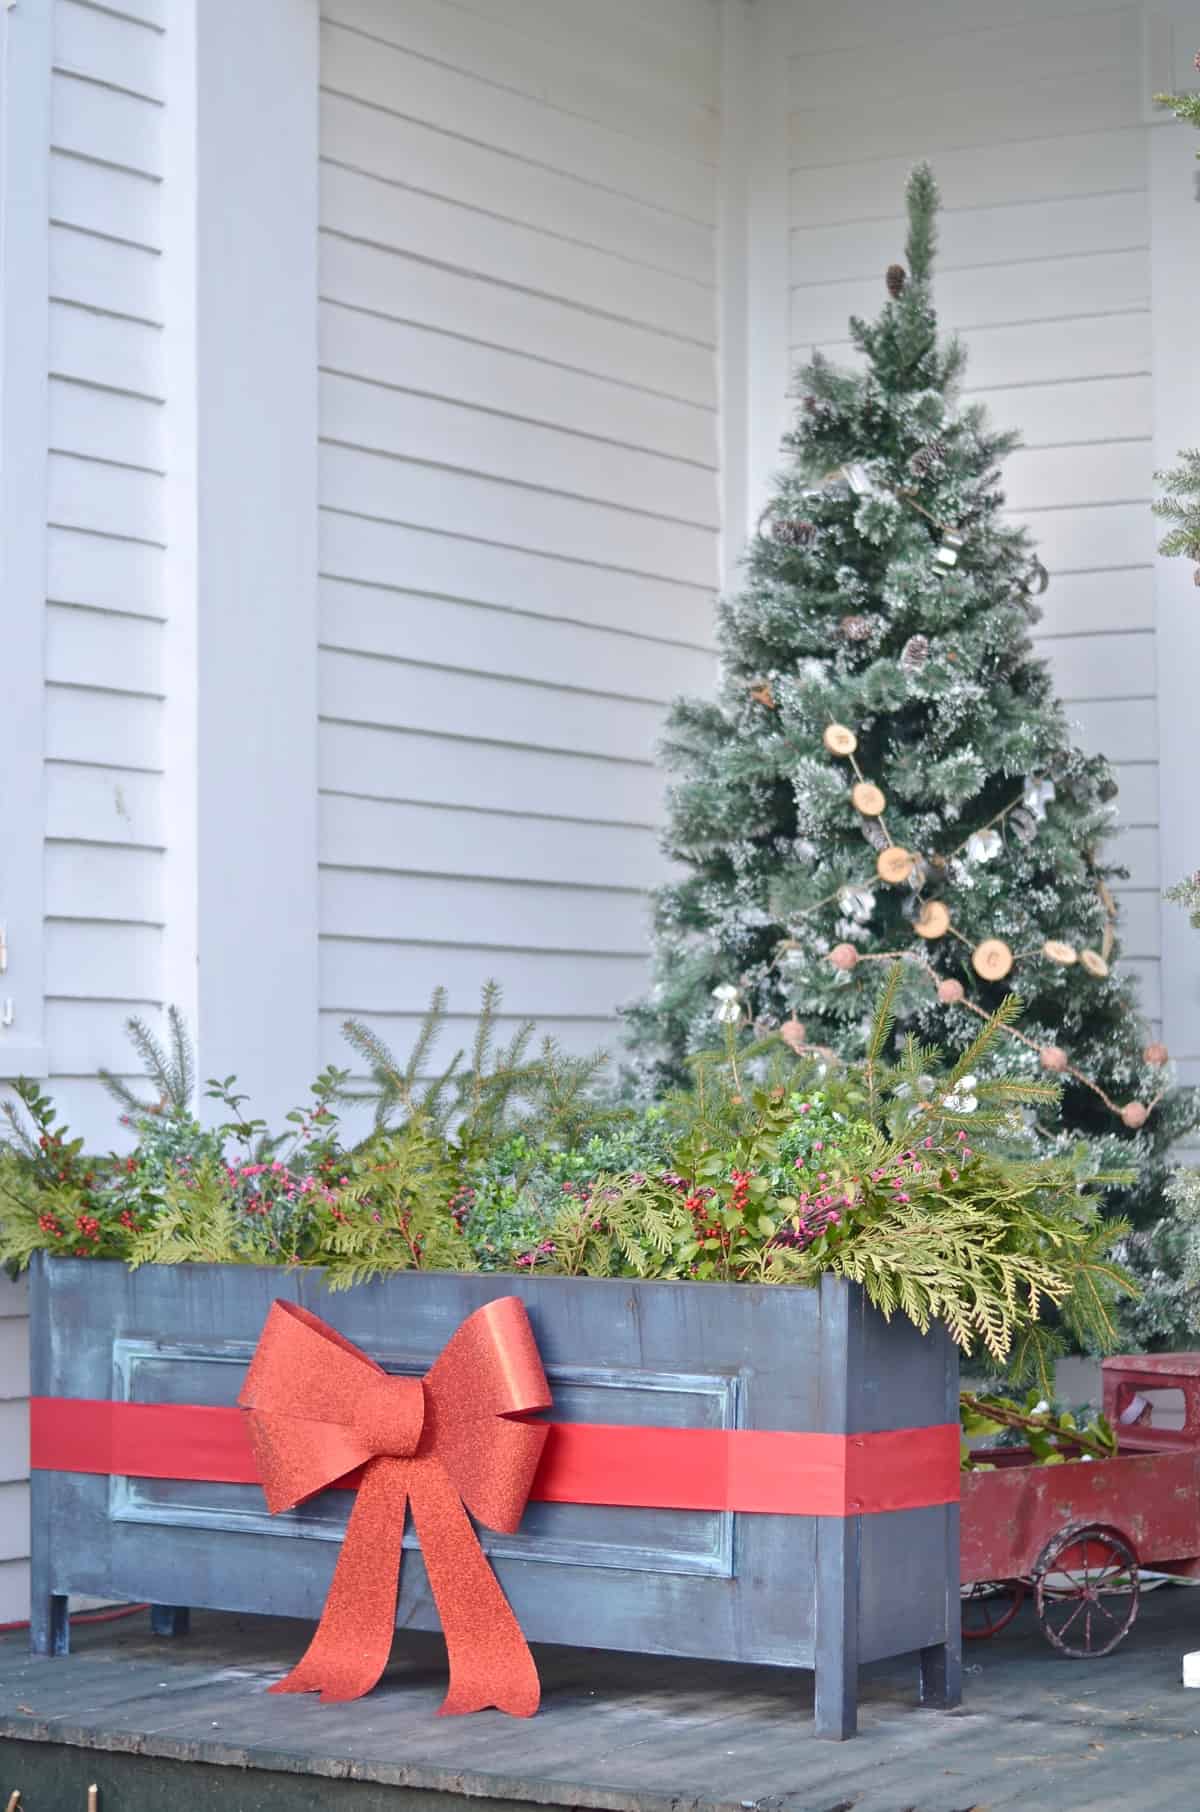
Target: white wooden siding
{"type": "Point", "coordinates": [14, 1452]}
{"type": "Point", "coordinates": [1034, 126]}
{"type": "Point", "coordinates": [105, 508]}
{"type": "Point", "coordinates": [519, 507]}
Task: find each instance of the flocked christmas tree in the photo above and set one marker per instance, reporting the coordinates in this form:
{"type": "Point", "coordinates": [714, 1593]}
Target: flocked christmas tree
{"type": "Point", "coordinates": [886, 769]}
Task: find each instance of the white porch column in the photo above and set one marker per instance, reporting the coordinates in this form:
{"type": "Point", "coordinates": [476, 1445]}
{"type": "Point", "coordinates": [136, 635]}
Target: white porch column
{"type": "Point", "coordinates": [241, 263]}
{"type": "Point", "coordinates": [25, 58]}
{"type": "Point", "coordinates": [1175, 285]}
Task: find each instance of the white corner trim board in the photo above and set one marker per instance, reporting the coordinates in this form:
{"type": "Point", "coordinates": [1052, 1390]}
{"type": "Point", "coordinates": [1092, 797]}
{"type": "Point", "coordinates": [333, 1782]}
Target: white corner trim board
{"type": "Point", "coordinates": [25, 50]}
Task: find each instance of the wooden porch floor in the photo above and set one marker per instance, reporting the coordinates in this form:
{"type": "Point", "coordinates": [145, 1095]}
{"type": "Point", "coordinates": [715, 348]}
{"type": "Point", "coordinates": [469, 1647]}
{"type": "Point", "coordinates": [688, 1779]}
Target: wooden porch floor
{"type": "Point", "coordinates": [187, 1724]}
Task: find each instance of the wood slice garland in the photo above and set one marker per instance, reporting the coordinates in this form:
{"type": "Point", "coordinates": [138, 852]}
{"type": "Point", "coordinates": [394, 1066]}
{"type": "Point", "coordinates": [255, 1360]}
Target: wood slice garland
{"type": "Point", "coordinates": [1156, 1054]}
{"type": "Point", "coordinates": [868, 799]}
{"type": "Point", "coordinates": [794, 1033]}
{"type": "Point", "coordinates": [839, 740]}
{"type": "Point", "coordinates": [933, 920]}
{"type": "Point", "coordinates": [1094, 963]}
{"type": "Point", "coordinates": [894, 864]}
{"type": "Point", "coordinates": [1058, 952]}
{"type": "Point", "coordinates": [992, 959]}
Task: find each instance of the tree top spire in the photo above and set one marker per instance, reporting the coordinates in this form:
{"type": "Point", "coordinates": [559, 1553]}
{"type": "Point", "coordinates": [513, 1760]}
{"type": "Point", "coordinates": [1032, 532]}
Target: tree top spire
{"type": "Point", "coordinates": [922, 200]}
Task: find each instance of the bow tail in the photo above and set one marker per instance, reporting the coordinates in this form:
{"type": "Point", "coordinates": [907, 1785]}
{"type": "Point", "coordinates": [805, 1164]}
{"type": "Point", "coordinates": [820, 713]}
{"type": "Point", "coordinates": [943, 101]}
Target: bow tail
{"type": "Point", "coordinates": [353, 1640]}
{"type": "Point", "coordinates": [490, 1662]}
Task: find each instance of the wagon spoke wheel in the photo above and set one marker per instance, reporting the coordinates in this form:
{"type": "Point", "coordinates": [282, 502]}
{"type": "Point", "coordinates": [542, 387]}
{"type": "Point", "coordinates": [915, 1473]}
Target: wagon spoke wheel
{"type": "Point", "coordinates": [989, 1606]}
{"type": "Point", "coordinates": [1087, 1591]}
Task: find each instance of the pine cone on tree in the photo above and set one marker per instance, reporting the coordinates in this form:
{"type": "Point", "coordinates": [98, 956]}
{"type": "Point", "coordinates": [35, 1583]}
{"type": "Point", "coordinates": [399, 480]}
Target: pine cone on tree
{"type": "Point", "coordinates": [933, 453]}
{"type": "Point", "coordinates": [793, 533]}
{"type": "Point", "coordinates": [896, 278]}
{"type": "Point", "coordinates": [914, 654]}
{"type": "Point", "coordinates": [856, 628]}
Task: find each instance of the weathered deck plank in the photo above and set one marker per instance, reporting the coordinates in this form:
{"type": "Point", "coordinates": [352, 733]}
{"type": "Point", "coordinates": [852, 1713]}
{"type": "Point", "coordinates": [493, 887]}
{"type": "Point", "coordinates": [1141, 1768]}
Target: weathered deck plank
{"type": "Point", "coordinates": [189, 1721]}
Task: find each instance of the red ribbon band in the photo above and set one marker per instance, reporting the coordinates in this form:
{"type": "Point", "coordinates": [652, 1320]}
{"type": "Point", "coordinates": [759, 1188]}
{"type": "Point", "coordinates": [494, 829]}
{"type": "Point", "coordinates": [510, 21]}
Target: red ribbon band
{"type": "Point", "coordinates": [775, 1472]}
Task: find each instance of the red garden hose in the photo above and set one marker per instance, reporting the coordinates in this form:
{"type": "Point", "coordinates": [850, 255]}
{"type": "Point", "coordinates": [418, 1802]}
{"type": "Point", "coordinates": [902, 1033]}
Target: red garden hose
{"type": "Point", "coordinates": [111, 1616]}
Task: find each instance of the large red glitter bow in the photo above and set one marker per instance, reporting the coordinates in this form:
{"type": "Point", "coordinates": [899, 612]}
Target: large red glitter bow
{"type": "Point", "coordinates": [319, 1409]}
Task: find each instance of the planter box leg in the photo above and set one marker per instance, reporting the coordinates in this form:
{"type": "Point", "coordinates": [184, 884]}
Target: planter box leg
{"type": "Point", "coordinates": [838, 1551]}
{"type": "Point", "coordinates": [49, 1624]}
{"type": "Point", "coordinates": [49, 1621]}
{"type": "Point", "coordinates": [941, 1665]}
{"type": "Point", "coordinates": [941, 1676]}
{"type": "Point", "coordinates": [170, 1619]}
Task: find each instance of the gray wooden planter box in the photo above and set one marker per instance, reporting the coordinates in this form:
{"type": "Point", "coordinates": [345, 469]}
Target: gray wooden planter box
{"type": "Point", "coordinates": [825, 1593]}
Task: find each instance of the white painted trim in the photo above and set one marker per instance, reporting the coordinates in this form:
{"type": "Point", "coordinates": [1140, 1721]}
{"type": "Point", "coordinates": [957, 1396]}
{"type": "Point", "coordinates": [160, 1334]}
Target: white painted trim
{"type": "Point", "coordinates": [242, 450]}
{"type": "Point", "coordinates": [767, 273]}
{"type": "Point", "coordinates": [1169, 34]}
{"type": "Point", "coordinates": [181, 980]}
{"type": "Point", "coordinates": [1175, 280]}
{"type": "Point", "coordinates": [26, 34]}
{"type": "Point", "coordinates": [738, 123]}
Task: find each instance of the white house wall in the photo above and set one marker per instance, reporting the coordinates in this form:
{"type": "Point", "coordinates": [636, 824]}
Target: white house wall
{"type": "Point", "coordinates": [14, 1452]}
{"type": "Point", "coordinates": [1035, 124]}
{"type": "Point", "coordinates": [105, 835]}
{"type": "Point", "coordinates": [518, 486]}
{"type": "Point", "coordinates": [102, 441]}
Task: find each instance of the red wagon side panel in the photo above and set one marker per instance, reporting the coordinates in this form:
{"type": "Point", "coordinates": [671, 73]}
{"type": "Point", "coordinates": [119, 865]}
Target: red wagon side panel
{"type": "Point", "coordinates": [1009, 1515]}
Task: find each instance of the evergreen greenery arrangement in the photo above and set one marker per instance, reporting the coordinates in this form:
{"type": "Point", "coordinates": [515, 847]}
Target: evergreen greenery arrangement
{"type": "Point", "coordinates": [886, 772]}
{"type": "Point", "coordinates": [772, 1167]}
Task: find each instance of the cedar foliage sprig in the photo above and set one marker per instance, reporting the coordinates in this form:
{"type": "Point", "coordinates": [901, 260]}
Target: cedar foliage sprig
{"type": "Point", "coordinates": [985, 1258]}
{"type": "Point", "coordinates": [198, 1224]}
{"type": "Point", "coordinates": [392, 1214]}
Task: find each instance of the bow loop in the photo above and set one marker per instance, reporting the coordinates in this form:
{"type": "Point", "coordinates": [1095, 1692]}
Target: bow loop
{"type": "Point", "coordinates": [319, 1409]}
{"type": "Point", "coordinates": [489, 1370]}
{"type": "Point", "coordinates": [495, 1349]}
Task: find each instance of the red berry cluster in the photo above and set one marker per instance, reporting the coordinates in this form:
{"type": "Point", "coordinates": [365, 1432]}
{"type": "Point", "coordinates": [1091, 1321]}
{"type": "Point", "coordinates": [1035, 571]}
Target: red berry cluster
{"type": "Point", "coordinates": [700, 1206]}
{"type": "Point", "coordinates": [460, 1205]}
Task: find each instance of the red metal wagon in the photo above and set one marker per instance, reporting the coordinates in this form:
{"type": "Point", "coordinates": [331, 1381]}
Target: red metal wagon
{"type": "Point", "coordinates": [1076, 1534]}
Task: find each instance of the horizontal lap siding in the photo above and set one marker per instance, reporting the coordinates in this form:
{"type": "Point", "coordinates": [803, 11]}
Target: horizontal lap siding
{"type": "Point", "coordinates": [104, 704]}
{"type": "Point", "coordinates": [104, 612]}
{"type": "Point", "coordinates": [1033, 126]}
{"type": "Point", "coordinates": [518, 492]}
{"type": "Point", "coordinates": [14, 1452]}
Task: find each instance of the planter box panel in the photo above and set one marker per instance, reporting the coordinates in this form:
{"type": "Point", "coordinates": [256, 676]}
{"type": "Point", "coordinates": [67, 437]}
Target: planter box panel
{"type": "Point", "coordinates": [902, 1583]}
{"type": "Point", "coordinates": [801, 1591]}
{"type": "Point", "coordinates": [677, 1541]}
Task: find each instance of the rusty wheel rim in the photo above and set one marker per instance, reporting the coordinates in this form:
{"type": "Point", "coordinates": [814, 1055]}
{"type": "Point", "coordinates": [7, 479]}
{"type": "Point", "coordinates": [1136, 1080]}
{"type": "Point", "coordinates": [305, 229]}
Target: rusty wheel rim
{"type": "Point", "coordinates": [989, 1606]}
{"type": "Point", "coordinates": [1087, 1608]}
